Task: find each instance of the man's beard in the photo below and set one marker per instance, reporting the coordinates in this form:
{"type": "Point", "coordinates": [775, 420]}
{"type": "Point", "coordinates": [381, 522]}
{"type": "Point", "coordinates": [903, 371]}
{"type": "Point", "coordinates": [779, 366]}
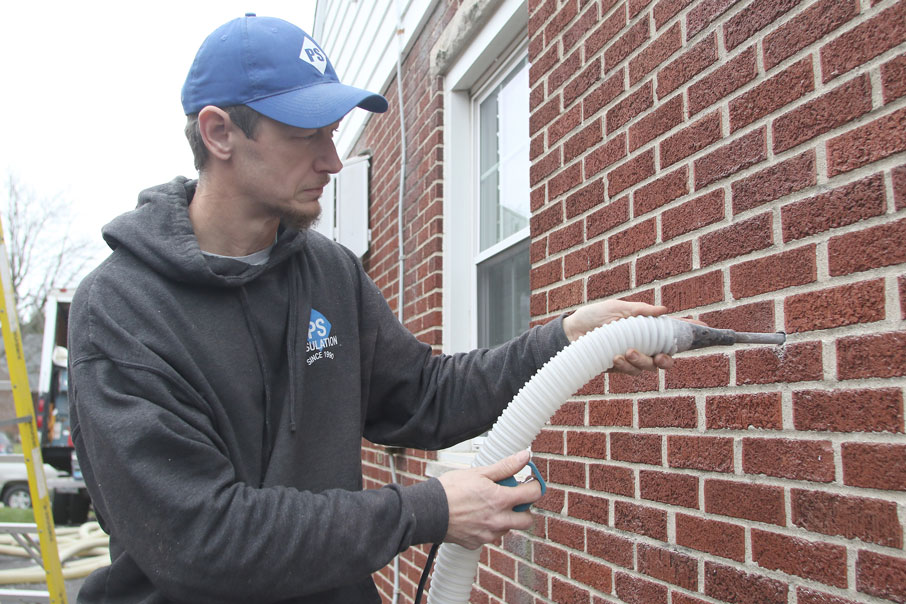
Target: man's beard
{"type": "Point", "coordinates": [300, 220]}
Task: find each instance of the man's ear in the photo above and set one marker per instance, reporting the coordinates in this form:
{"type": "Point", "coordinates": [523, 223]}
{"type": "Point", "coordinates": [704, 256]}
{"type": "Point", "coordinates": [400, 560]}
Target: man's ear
{"type": "Point", "coordinates": [217, 130]}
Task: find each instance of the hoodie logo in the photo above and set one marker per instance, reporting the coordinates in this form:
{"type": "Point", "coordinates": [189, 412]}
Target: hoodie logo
{"type": "Point", "coordinates": [313, 55]}
{"type": "Point", "coordinates": [319, 338]}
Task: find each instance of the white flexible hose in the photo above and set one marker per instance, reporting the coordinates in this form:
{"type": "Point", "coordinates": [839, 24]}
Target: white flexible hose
{"type": "Point", "coordinates": [82, 550]}
{"type": "Point", "coordinates": [532, 407]}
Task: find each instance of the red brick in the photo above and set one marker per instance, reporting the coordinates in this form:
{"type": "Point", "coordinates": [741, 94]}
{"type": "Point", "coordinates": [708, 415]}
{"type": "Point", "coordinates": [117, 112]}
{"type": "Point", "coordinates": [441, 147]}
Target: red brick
{"type": "Point", "coordinates": [869, 143]}
{"type": "Point", "coordinates": [816, 561]}
{"type": "Point", "coordinates": [663, 264]}
{"type": "Point", "coordinates": [835, 108]}
{"type": "Point", "coordinates": [687, 66]}
{"type": "Point", "coordinates": [604, 155]}
{"type": "Point", "coordinates": [549, 441]}
{"type": "Point", "coordinates": [744, 24]}
{"type": "Point", "coordinates": [588, 572]}
{"type": "Point", "coordinates": [782, 89]}
{"type": "Point", "coordinates": [849, 410]}
{"type": "Point", "coordinates": [661, 191]}
{"type": "Point", "coordinates": [565, 296]}
{"type": "Point", "coordinates": [797, 362]}
{"type": "Point", "coordinates": [758, 317]}
{"type": "Point", "coordinates": [665, 10]}
{"type": "Point", "coordinates": [632, 240]}
{"type": "Point", "coordinates": [544, 115]}
{"type": "Point", "coordinates": [636, 6]}
{"type": "Point", "coordinates": [600, 96]}
{"type": "Point", "coordinates": [620, 383]}
{"type": "Point", "coordinates": [696, 291]}
{"type": "Point", "coordinates": [618, 480]}
{"type": "Point", "coordinates": [731, 585]}
{"type": "Point", "coordinates": [632, 39]}
{"type": "Point", "coordinates": [693, 214]}
{"type": "Point", "coordinates": [563, 125]}
{"type": "Point", "coordinates": [564, 180]}
{"type": "Point", "coordinates": [731, 76]}
{"type": "Point", "coordinates": [691, 139]}
{"type": "Point", "coordinates": [729, 159]}
{"type": "Point", "coordinates": [610, 412]}
{"type": "Point", "coordinates": [588, 507]}
{"type": "Point", "coordinates": [772, 273]}
{"type": "Point", "coordinates": [835, 307]}
{"type": "Point", "coordinates": [864, 42]}
{"type": "Point", "coordinates": [585, 198]}
{"type": "Point", "coordinates": [654, 54]}
{"type": "Point", "coordinates": [707, 453]}
{"type": "Point", "coordinates": [641, 520]}
{"type": "Point", "coordinates": [604, 33]}
{"type": "Point", "coordinates": [546, 274]}
{"type": "Point", "coordinates": [750, 501]}
{"type": "Point", "coordinates": [588, 258]}
{"type": "Point", "coordinates": [741, 411]}
{"type": "Point", "coordinates": [633, 105]}
{"type": "Point", "coordinates": [544, 167]}
{"type": "Point", "coordinates": [543, 63]}
{"type": "Point", "coordinates": [586, 444]}
{"type": "Point", "coordinates": [874, 466]}
{"type": "Point", "coordinates": [881, 576]}
{"type": "Point", "coordinates": [774, 182]}
{"type": "Point", "coordinates": [566, 533]}
{"type": "Point", "coordinates": [710, 371]}
{"type": "Point", "coordinates": [633, 590]}
{"type": "Point", "coordinates": [670, 488]}
{"type": "Point", "coordinates": [610, 547]}
{"type": "Point", "coordinates": [662, 412]}
{"type": "Point", "coordinates": [546, 220]}
{"type": "Point", "coordinates": [587, 138]}
{"type": "Point", "coordinates": [867, 249]}
{"type": "Point", "coordinates": [893, 78]}
{"type": "Point", "coordinates": [811, 25]}
{"type": "Point", "coordinates": [807, 596]}
{"type": "Point", "coordinates": [567, 12]}
{"type": "Point", "coordinates": [606, 284]}
{"type": "Point", "coordinates": [538, 304]}
{"type": "Point", "coordinates": [631, 172]}
{"type": "Point", "coordinates": [669, 566]}
{"type": "Point", "coordinates": [871, 520]}
{"type": "Point", "coordinates": [571, 413]}
{"type": "Point", "coordinates": [578, 30]}
{"type": "Point", "coordinates": [667, 116]}
{"type": "Point", "coordinates": [875, 355]}
{"type": "Point", "coordinates": [711, 536]}
{"type": "Point", "coordinates": [787, 458]}
{"type": "Point", "coordinates": [705, 12]}
{"type": "Point", "coordinates": [565, 238]}
{"type": "Point", "coordinates": [636, 448]}
{"type": "Point", "coordinates": [565, 70]}
{"type": "Point", "coordinates": [550, 557]}
{"type": "Point", "coordinates": [899, 187]}
{"type": "Point", "coordinates": [738, 239]}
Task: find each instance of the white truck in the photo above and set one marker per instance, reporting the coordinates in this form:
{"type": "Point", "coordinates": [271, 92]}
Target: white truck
{"type": "Point", "coordinates": [71, 502]}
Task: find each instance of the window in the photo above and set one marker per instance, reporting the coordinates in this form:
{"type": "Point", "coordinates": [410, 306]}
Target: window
{"type": "Point", "coordinates": [502, 260]}
{"type": "Point", "coordinates": [486, 193]}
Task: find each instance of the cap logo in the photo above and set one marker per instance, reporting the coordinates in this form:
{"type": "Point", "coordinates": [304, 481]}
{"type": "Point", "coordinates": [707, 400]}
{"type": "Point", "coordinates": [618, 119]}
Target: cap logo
{"type": "Point", "coordinates": [313, 55]}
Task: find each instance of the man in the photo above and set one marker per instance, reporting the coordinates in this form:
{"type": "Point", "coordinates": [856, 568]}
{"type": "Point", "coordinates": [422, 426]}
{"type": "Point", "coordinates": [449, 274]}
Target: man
{"type": "Point", "coordinates": [226, 466]}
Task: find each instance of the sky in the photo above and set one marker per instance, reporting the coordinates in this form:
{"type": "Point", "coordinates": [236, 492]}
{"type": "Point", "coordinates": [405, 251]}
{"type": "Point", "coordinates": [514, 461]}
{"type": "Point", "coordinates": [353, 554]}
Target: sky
{"type": "Point", "coordinates": [90, 96]}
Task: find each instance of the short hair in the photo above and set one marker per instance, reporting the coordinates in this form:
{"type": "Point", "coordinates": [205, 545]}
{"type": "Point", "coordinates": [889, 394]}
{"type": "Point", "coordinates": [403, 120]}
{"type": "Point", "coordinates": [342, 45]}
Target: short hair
{"type": "Point", "coordinates": [244, 117]}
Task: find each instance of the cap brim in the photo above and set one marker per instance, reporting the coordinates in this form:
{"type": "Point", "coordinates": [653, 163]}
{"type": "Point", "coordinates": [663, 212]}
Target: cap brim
{"type": "Point", "coordinates": [317, 106]}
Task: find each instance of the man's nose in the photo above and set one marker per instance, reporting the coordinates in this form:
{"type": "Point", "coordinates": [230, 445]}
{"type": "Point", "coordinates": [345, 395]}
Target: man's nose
{"type": "Point", "coordinates": [329, 161]}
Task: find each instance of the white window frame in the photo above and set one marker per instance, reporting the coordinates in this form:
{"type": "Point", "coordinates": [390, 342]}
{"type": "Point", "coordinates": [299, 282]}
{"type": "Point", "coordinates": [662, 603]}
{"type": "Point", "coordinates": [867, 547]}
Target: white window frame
{"type": "Point", "coordinates": [504, 36]}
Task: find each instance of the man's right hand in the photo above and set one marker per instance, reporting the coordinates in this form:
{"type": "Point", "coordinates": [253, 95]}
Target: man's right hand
{"type": "Point", "coordinates": [481, 511]}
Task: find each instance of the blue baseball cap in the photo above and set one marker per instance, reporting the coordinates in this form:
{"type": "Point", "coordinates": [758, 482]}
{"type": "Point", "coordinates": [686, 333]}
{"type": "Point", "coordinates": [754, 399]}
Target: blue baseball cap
{"type": "Point", "coordinates": [276, 69]}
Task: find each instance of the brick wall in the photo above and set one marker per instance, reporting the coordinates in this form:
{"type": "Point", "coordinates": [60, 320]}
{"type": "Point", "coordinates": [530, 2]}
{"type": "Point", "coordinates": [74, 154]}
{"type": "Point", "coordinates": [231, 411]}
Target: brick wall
{"type": "Point", "coordinates": [742, 162]}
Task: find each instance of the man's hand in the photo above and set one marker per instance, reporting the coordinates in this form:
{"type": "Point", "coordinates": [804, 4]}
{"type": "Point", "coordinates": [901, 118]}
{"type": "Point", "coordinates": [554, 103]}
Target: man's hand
{"type": "Point", "coordinates": [592, 316]}
{"type": "Point", "coordinates": [481, 511]}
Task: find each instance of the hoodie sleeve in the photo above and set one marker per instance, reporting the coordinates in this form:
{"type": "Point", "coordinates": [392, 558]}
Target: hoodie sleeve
{"type": "Point", "coordinates": [166, 490]}
{"type": "Point", "coordinates": [427, 401]}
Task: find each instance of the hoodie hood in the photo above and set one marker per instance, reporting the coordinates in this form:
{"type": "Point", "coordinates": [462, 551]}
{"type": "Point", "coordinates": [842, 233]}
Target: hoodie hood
{"type": "Point", "coordinates": [158, 231]}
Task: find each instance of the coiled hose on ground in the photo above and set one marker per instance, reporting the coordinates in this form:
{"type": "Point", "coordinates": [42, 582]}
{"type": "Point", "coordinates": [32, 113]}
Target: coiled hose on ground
{"type": "Point", "coordinates": [82, 550]}
{"type": "Point", "coordinates": [564, 374]}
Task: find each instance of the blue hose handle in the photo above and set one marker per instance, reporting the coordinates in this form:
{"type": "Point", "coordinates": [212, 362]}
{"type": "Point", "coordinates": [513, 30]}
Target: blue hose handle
{"type": "Point", "coordinates": [511, 482]}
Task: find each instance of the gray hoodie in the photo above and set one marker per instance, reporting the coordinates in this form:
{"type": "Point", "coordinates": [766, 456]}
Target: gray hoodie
{"type": "Point", "coordinates": [219, 410]}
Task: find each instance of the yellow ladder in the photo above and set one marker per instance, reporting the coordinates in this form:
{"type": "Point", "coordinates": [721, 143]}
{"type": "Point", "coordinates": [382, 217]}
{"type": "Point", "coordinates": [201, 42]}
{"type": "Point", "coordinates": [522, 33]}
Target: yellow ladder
{"type": "Point", "coordinates": [31, 448]}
